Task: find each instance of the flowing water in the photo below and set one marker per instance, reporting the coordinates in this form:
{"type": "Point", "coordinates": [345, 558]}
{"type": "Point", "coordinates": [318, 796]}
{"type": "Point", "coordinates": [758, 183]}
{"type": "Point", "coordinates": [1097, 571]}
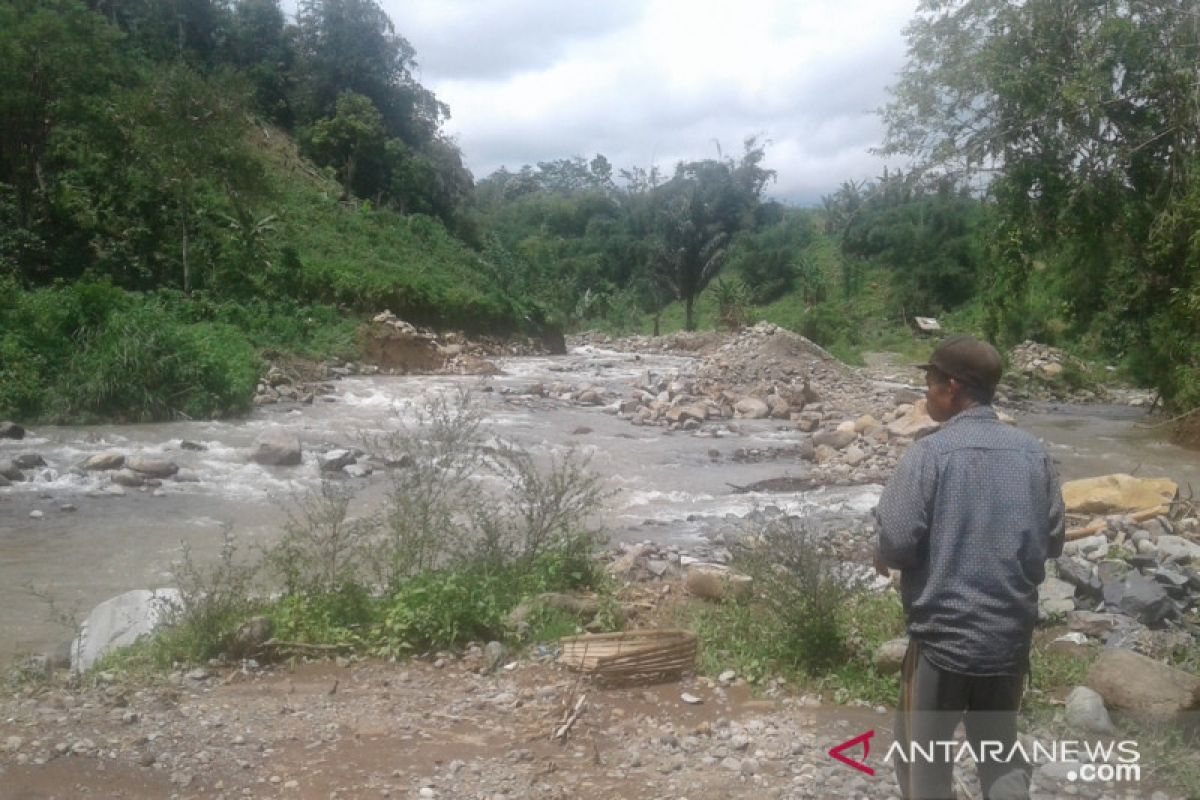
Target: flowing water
{"type": "Point", "coordinates": [668, 486]}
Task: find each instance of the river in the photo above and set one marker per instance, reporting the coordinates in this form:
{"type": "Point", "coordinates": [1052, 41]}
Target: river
{"type": "Point", "coordinates": [667, 486]}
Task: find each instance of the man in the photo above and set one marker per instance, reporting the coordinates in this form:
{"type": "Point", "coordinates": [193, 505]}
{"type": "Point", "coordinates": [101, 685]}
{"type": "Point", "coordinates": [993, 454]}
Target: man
{"type": "Point", "coordinates": [969, 519]}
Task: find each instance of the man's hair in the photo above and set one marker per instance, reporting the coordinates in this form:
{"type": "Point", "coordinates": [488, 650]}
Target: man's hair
{"type": "Point", "coordinates": [979, 394]}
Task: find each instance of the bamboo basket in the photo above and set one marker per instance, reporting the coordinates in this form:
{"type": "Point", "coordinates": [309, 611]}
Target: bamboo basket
{"type": "Point", "coordinates": [631, 656]}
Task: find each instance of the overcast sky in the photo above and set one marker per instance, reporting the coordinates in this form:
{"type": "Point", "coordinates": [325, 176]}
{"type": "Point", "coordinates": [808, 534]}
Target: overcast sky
{"type": "Point", "coordinates": [655, 81]}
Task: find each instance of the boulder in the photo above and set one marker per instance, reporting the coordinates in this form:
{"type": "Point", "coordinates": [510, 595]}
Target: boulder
{"type": "Point", "coordinates": [1055, 596]}
{"type": "Point", "coordinates": [838, 440]}
{"type": "Point", "coordinates": [854, 456]}
{"type": "Point", "coordinates": [11, 430]}
{"type": "Point", "coordinates": [155, 467]}
{"type": "Point", "coordinates": [889, 656]}
{"type": "Point", "coordinates": [277, 448]}
{"type": "Point", "coordinates": [780, 408]}
{"type": "Point", "coordinates": [590, 397]}
{"type": "Point", "coordinates": [118, 622]}
{"type": "Point", "coordinates": [716, 582]}
{"type": "Point", "coordinates": [1080, 574]}
{"type": "Point", "coordinates": [1129, 681]}
{"type": "Point", "coordinates": [335, 460]}
{"type": "Point", "coordinates": [1086, 712]}
{"type": "Point", "coordinates": [914, 424]}
{"type": "Point", "coordinates": [1145, 600]}
{"type": "Point", "coordinates": [127, 477]}
{"type": "Point", "coordinates": [752, 408]}
{"type": "Point", "coordinates": [865, 423]}
{"type": "Point", "coordinates": [11, 472]}
{"type": "Point", "coordinates": [1178, 547]}
{"type": "Point", "coordinates": [1117, 494]}
{"type": "Point", "coordinates": [104, 461]}
{"type": "Point", "coordinates": [28, 461]}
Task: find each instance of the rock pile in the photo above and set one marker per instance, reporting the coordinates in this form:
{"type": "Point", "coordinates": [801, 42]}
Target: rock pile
{"type": "Point", "coordinates": [1041, 372]}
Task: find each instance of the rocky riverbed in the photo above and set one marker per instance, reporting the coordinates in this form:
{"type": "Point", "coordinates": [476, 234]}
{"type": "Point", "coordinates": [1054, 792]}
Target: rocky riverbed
{"type": "Point", "coordinates": [701, 437]}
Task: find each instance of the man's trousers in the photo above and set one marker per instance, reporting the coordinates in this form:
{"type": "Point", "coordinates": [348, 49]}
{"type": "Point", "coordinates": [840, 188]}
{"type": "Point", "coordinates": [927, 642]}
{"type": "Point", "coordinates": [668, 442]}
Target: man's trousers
{"type": "Point", "coordinates": [932, 702]}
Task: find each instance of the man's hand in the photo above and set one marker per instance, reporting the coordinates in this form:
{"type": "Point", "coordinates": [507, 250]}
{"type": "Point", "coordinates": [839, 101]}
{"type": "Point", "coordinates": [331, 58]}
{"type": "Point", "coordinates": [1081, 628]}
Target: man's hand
{"type": "Point", "coordinates": [881, 567]}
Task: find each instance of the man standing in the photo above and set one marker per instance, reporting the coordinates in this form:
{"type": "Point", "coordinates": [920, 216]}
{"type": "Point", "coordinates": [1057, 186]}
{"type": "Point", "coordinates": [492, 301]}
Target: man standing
{"type": "Point", "coordinates": [969, 518]}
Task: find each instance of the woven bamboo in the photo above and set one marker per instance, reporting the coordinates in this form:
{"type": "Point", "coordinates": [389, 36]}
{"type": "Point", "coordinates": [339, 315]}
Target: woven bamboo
{"type": "Point", "coordinates": [631, 655]}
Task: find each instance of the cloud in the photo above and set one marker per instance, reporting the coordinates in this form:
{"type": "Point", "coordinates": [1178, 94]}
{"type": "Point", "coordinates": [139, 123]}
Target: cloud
{"type": "Point", "coordinates": [658, 81]}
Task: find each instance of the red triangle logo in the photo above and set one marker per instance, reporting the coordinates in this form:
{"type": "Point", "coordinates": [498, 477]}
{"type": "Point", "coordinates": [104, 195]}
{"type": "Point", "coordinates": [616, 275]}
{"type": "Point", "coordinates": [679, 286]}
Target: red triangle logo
{"type": "Point", "coordinates": [865, 740]}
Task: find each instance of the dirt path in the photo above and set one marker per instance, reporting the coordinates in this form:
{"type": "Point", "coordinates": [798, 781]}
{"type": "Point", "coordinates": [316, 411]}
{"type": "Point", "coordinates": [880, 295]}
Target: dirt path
{"type": "Point", "coordinates": [382, 730]}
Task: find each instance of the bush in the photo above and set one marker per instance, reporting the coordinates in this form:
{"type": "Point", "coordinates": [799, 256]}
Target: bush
{"type": "Point", "coordinates": [142, 365]}
{"type": "Point", "coordinates": [797, 586]}
{"type": "Point", "coordinates": [213, 603]}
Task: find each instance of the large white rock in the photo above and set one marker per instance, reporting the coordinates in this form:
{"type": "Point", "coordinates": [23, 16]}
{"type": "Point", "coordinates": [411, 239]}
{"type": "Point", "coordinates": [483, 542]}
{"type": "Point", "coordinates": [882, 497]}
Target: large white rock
{"type": "Point", "coordinates": [118, 622]}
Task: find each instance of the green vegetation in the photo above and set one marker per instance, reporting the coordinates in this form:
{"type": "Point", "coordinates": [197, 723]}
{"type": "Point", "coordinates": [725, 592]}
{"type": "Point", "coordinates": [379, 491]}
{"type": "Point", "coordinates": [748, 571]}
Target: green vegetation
{"type": "Point", "coordinates": [440, 565]}
{"type": "Point", "coordinates": [230, 168]}
{"type": "Point", "coordinates": [160, 227]}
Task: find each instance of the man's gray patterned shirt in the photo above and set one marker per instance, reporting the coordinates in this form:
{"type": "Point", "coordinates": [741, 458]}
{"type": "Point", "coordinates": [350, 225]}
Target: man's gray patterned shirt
{"type": "Point", "coordinates": [970, 517]}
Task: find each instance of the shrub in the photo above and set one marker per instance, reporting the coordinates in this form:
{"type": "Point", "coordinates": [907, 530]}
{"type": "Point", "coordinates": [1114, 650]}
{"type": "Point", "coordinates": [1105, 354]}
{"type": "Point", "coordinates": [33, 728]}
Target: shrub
{"type": "Point", "coordinates": [797, 586]}
{"type": "Point", "coordinates": [142, 365]}
{"type": "Point", "coordinates": [213, 602]}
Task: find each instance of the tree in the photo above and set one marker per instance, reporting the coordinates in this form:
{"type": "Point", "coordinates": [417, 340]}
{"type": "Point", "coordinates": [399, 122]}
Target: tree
{"type": "Point", "coordinates": [1087, 117]}
{"type": "Point", "coordinates": [353, 142]}
{"type": "Point", "coordinates": [188, 136]}
{"type": "Point", "coordinates": [697, 213]}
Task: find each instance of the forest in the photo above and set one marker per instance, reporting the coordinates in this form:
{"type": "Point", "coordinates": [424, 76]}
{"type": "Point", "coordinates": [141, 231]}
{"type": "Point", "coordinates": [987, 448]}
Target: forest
{"type": "Point", "coordinates": [187, 188]}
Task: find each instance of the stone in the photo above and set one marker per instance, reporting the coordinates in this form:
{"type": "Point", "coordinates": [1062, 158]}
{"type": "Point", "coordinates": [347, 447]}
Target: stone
{"type": "Point", "coordinates": [104, 461]}
{"type": "Point", "coordinates": [156, 467]}
{"type": "Point", "coordinates": [752, 408]}
{"type": "Point", "coordinates": [696, 411]}
{"type": "Point", "coordinates": [10, 471]}
{"type": "Point", "coordinates": [11, 430]}
{"type": "Point", "coordinates": [28, 461]}
{"type": "Point", "coordinates": [854, 456]}
{"type": "Point", "coordinates": [277, 448]}
{"type": "Point", "coordinates": [889, 656]}
{"type": "Point", "coordinates": [494, 654]}
{"type": "Point", "coordinates": [127, 477]}
{"type": "Point", "coordinates": [914, 424]}
{"type": "Point", "coordinates": [1055, 596]}
{"type": "Point", "coordinates": [120, 621]}
{"type": "Point", "coordinates": [838, 440]}
{"type": "Point", "coordinates": [865, 423]}
{"type": "Point", "coordinates": [691, 699]}
{"type": "Point", "coordinates": [716, 582]}
{"type": "Point", "coordinates": [780, 408]}
{"type": "Point", "coordinates": [1079, 574]}
{"type": "Point", "coordinates": [1177, 547]}
{"type": "Point", "coordinates": [590, 397]}
{"type": "Point", "coordinates": [1084, 545]}
{"type": "Point", "coordinates": [250, 637]}
{"type": "Point", "coordinates": [1086, 712]}
{"type": "Point", "coordinates": [808, 422]}
{"type": "Point", "coordinates": [335, 460]}
{"type": "Point", "coordinates": [1117, 494]}
{"type": "Point", "coordinates": [1145, 600]}
{"type": "Point", "coordinates": [1129, 681]}
{"type": "Point", "coordinates": [1092, 623]}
